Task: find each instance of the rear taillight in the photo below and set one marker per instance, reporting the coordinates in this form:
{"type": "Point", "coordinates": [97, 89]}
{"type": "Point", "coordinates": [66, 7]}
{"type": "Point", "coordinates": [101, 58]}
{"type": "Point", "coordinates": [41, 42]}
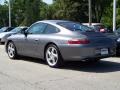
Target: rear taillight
{"type": "Point", "coordinates": [102, 30]}
{"type": "Point", "coordinates": [79, 41]}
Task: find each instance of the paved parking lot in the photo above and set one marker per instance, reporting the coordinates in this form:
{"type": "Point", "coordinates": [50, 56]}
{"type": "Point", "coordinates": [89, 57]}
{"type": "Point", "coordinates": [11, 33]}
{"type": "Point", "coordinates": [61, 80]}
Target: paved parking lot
{"type": "Point", "coordinates": [34, 74]}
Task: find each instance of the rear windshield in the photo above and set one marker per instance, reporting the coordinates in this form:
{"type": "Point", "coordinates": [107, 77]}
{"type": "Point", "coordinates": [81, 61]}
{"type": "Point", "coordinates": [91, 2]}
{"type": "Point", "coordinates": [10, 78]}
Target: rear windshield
{"type": "Point", "coordinates": [74, 26]}
{"type": "Point", "coordinates": [98, 27]}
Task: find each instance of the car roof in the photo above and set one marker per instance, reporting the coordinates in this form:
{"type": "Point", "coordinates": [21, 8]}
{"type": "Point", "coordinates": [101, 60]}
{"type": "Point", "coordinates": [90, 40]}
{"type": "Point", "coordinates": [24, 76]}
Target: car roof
{"type": "Point", "coordinates": [92, 24]}
{"type": "Point", "coordinates": [54, 21]}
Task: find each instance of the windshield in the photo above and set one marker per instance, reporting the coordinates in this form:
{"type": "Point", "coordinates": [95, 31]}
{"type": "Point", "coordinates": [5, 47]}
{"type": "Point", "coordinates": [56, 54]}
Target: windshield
{"type": "Point", "coordinates": [74, 26]}
{"type": "Point", "coordinates": [18, 29]}
{"type": "Point", "coordinates": [3, 29]}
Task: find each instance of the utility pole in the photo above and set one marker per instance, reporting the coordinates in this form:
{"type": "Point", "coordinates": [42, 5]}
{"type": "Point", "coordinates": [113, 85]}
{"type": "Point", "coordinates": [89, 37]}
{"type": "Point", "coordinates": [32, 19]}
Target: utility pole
{"type": "Point", "coordinates": [9, 13]}
{"type": "Point", "coordinates": [90, 12]}
{"type": "Point", "coordinates": [114, 15]}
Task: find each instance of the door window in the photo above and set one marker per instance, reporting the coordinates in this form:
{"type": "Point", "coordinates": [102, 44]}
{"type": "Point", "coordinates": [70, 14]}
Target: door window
{"type": "Point", "coordinates": [37, 28]}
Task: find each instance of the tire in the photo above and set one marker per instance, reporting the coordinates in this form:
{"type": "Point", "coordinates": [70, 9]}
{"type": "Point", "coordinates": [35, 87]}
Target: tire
{"type": "Point", "coordinates": [53, 56]}
{"type": "Point", "coordinates": [11, 50]}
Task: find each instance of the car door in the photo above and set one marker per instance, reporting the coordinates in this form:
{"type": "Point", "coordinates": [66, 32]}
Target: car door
{"type": "Point", "coordinates": [46, 37]}
{"type": "Point", "coordinates": [30, 42]}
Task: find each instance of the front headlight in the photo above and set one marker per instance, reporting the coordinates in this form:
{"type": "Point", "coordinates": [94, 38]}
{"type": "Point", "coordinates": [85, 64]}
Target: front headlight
{"type": "Point", "coordinates": [118, 40]}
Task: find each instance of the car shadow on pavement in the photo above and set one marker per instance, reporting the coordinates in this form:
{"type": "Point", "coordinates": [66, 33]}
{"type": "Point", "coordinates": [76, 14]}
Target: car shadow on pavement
{"type": "Point", "coordinates": [98, 67]}
{"type": "Point", "coordinates": [30, 59]}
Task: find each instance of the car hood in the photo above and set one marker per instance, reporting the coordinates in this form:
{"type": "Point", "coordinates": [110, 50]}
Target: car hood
{"type": "Point", "coordinates": [5, 33]}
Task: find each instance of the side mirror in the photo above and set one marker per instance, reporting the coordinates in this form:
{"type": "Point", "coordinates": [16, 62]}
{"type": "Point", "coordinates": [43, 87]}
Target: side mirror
{"type": "Point", "coordinates": [24, 32]}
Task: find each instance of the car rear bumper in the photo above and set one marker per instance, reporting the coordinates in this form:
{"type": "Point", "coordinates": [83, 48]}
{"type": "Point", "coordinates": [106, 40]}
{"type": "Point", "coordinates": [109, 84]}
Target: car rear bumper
{"type": "Point", "coordinates": [77, 53]}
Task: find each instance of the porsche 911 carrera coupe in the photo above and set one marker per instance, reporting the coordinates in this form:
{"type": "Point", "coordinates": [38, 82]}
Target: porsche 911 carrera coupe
{"type": "Point", "coordinates": [57, 41]}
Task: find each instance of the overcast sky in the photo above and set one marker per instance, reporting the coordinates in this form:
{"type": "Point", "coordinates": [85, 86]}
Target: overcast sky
{"type": "Point", "coordinates": [47, 1]}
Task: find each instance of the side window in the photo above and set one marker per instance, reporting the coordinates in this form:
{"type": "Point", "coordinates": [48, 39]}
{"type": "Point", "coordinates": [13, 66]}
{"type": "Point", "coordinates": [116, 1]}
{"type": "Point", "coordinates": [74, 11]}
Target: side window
{"type": "Point", "coordinates": [51, 29]}
{"type": "Point", "coordinates": [37, 28]}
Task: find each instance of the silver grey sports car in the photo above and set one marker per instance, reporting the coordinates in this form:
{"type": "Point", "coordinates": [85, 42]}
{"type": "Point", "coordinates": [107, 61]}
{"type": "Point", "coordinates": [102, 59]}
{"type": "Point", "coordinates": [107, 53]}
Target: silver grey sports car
{"type": "Point", "coordinates": [57, 41]}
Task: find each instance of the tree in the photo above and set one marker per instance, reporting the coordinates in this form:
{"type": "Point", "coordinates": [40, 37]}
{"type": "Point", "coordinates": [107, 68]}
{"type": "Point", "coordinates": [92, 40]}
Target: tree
{"type": "Point", "coordinates": [26, 12]}
{"type": "Point", "coordinates": [3, 15]}
{"type": "Point", "coordinates": [18, 10]}
{"type": "Point", "coordinates": [107, 18]}
{"type": "Point", "coordinates": [32, 11]}
{"type": "Point", "coordinates": [46, 11]}
{"type": "Point", "coordinates": [99, 7]}
{"type": "Point", "coordinates": [70, 10]}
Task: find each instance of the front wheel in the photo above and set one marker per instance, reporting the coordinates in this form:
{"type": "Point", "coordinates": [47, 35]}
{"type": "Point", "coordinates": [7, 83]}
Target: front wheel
{"type": "Point", "coordinates": [11, 50]}
{"type": "Point", "coordinates": [53, 56]}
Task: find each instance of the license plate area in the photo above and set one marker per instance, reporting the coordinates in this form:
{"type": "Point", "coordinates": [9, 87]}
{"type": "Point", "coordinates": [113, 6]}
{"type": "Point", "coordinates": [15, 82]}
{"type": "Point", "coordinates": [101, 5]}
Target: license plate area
{"type": "Point", "coordinates": [104, 51]}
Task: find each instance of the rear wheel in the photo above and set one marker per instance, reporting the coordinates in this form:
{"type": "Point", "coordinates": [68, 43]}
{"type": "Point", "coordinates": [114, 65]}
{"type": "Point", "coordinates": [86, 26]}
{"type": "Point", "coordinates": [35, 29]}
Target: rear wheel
{"type": "Point", "coordinates": [53, 56]}
{"type": "Point", "coordinates": [11, 50]}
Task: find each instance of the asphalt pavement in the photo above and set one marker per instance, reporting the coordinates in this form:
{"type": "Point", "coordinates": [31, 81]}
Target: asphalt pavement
{"type": "Point", "coordinates": [33, 74]}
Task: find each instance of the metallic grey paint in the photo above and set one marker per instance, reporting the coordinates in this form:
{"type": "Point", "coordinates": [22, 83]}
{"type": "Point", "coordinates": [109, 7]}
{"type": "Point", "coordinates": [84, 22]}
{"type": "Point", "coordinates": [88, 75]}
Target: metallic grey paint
{"type": "Point", "coordinates": [35, 45]}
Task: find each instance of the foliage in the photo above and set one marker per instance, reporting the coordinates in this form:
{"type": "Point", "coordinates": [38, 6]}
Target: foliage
{"type": "Point", "coordinates": [26, 12]}
{"type": "Point", "coordinates": [31, 13]}
{"type": "Point", "coordinates": [3, 15]}
{"type": "Point", "coordinates": [99, 8]}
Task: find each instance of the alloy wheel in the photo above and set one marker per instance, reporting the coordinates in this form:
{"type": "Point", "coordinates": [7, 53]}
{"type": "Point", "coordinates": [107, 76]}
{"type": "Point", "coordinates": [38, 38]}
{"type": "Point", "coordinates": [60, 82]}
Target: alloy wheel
{"type": "Point", "coordinates": [11, 50]}
{"type": "Point", "coordinates": [52, 56]}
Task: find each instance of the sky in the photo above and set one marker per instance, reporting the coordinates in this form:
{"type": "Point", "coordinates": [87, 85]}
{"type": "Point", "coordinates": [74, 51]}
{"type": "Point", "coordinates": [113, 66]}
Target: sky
{"type": "Point", "coordinates": [1, 1]}
{"type": "Point", "coordinates": [47, 1]}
